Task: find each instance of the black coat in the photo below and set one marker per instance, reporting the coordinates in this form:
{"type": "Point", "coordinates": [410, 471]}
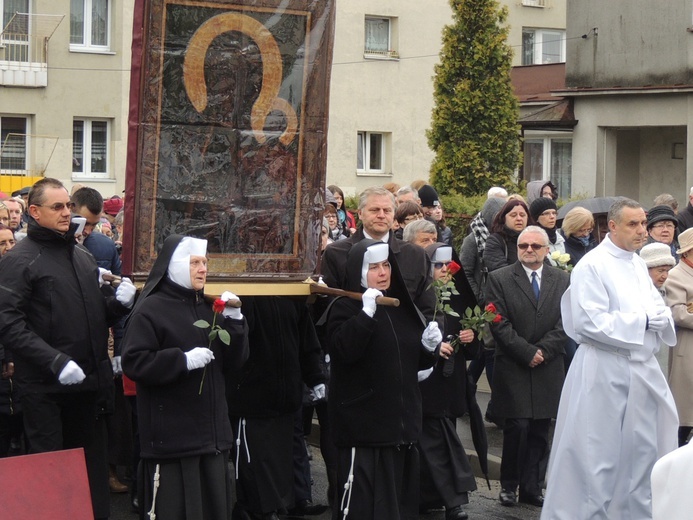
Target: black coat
{"type": "Point", "coordinates": [501, 250]}
{"type": "Point", "coordinates": [284, 353]}
{"type": "Point", "coordinates": [576, 250]}
{"type": "Point", "coordinates": [374, 395]}
{"type": "Point", "coordinates": [52, 311]}
{"type": "Point", "coordinates": [414, 266]}
{"type": "Point", "coordinates": [175, 420]}
{"type": "Point", "coordinates": [520, 391]}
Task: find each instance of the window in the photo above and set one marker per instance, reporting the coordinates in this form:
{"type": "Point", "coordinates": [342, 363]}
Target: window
{"type": "Point", "coordinates": [541, 46]}
{"type": "Point", "coordinates": [551, 159]}
{"type": "Point", "coordinates": [90, 25]}
{"type": "Point", "coordinates": [13, 144]}
{"type": "Point", "coordinates": [534, 3]}
{"type": "Point", "coordinates": [379, 38]}
{"type": "Point", "coordinates": [90, 143]}
{"type": "Point", "coordinates": [15, 40]}
{"type": "Point", "coordinates": [371, 155]}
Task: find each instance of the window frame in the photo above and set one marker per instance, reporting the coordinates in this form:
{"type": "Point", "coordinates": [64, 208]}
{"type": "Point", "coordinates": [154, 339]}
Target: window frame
{"type": "Point", "coordinates": [87, 45]}
{"type": "Point", "coordinates": [27, 123]}
{"type": "Point", "coordinates": [541, 34]}
{"type": "Point", "coordinates": [363, 152]}
{"type": "Point", "coordinates": [547, 142]}
{"type": "Point", "coordinates": [391, 51]}
{"type": "Point", "coordinates": [87, 148]}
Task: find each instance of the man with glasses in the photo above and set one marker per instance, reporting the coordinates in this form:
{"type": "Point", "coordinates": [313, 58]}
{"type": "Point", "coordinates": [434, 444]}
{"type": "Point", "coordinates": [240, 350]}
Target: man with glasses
{"type": "Point", "coordinates": [53, 317]}
{"type": "Point", "coordinates": [529, 368]}
{"type": "Point", "coordinates": [661, 227]}
{"type": "Point", "coordinates": [617, 415]}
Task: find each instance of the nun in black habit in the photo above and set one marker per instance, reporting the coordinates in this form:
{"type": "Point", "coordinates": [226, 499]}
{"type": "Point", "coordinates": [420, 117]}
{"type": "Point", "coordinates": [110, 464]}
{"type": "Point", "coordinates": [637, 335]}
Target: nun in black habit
{"type": "Point", "coordinates": [446, 475]}
{"type": "Point", "coordinates": [374, 403]}
{"type": "Point", "coordinates": [185, 434]}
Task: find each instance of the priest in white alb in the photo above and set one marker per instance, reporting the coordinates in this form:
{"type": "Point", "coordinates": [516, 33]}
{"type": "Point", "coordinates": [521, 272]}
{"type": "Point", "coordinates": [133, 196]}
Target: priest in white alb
{"type": "Point", "coordinates": [617, 415]}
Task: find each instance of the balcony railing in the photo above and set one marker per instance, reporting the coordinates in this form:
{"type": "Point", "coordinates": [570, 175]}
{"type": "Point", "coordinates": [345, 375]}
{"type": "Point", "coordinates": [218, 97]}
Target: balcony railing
{"type": "Point", "coordinates": [368, 53]}
{"type": "Point", "coordinates": [24, 49]}
{"type": "Point", "coordinates": [534, 3]}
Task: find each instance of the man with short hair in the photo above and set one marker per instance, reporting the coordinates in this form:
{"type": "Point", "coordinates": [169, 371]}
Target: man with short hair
{"type": "Point", "coordinates": [376, 213]}
{"type": "Point", "coordinates": [529, 368]}
{"type": "Point", "coordinates": [617, 415]}
{"type": "Point", "coordinates": [54, 317]}
{"type": "Point", "coordinates": [406, 193]}
{"type": "Point", "coordinates": [423, 233]}
{"type": "Point", "coordinates": [15, 210]}
{"type": "Point", "coordinates": [88, 203]}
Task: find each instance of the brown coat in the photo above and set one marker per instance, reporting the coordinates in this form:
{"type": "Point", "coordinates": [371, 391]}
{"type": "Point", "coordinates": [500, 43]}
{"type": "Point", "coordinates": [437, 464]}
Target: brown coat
{"type": "Point", "coordinates": [679, 292]}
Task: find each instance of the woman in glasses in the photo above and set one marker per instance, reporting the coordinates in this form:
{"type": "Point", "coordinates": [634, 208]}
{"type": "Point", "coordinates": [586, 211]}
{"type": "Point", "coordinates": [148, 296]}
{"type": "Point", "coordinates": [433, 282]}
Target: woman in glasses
{"type": "Point", "coordinates": [406, 213]}
{"type": "Point", "coordinates": [577, 228]}
{"type": "Point", "coordinates": [661, 227]}
{"type": "Point", "coordinates": [544, 212]}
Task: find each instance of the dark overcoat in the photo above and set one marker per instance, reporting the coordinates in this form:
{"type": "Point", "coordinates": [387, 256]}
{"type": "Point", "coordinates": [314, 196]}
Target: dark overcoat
{"type": "Point", "coordinates": [520, 391]}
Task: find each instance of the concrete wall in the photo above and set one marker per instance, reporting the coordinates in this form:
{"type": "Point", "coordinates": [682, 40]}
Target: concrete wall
{"type": "Point", "coordinates": [80, 85]}
{"type": "Point", "coordinates": [622, 145]}
{"type": "Point", "coordinates": [637, 43]}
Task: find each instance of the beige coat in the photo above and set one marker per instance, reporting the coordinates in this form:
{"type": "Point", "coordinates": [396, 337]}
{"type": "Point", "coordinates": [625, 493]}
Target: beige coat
{"type": "Point", "coordinates": [679, 292]}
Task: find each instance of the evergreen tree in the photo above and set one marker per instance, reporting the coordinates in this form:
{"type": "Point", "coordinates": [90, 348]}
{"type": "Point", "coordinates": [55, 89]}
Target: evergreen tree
{"type": "Point", "coordinates": [474, 131]}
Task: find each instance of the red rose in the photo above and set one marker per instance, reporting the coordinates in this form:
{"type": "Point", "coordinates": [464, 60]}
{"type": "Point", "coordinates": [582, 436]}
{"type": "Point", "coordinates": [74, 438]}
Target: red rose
{"type": "Point", "coordinates": [453, 267]}
{"type": "Point", "coordinates": [219, 305]}
{"type": "Point", "coordinates": [497, 318]}
{"type": "Point", "coordinates": [490, 308]}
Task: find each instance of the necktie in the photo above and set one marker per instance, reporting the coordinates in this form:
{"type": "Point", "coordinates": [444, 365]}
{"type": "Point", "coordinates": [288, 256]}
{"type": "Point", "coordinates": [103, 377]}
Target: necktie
{"type": "Point", "coordinates": [535, 285]}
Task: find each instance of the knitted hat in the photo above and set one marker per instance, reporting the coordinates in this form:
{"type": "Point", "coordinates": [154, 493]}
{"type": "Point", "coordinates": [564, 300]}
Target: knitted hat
{"type": "Point", "coordinates": [685, 241]}
{"type": "Point", "coordinates": [657, 254]}
{"type": "Point", "coordinates": [540, 205]}
{"type": "Point", "coordinates": [113, 205]}
{"type": "Point", "coordinates": [490, 208]}
{"type": "Point", "coordinates": [428, 196]}
{"type": "Point", "coordinates": [660, 214]}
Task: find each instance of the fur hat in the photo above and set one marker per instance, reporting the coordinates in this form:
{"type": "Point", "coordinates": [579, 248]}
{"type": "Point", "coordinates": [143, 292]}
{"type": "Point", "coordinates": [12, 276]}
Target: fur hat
{"type": "Point", "coordinates": [657, 254]}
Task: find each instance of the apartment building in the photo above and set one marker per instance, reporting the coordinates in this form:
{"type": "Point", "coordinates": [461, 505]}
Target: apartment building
{"type": "Point", "coordinates": [64, 86]}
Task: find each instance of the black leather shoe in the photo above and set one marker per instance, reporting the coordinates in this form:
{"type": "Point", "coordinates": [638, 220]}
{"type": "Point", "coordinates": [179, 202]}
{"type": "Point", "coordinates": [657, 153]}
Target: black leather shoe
{"type": "Point", "coordinates": [507, 498]}
{"type": "Point", "coordinates": [456, 513]}
{"type": "Point", "coordinates": [307, 508]}
{"type": "Point", "coordinates": [533, 500]}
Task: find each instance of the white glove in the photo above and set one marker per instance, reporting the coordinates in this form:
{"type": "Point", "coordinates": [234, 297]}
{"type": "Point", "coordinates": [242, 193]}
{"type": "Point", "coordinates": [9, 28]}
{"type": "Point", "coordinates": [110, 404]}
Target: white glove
{"type": "Point", "coordinates": [117, 366]}
{"type": "Point", "coordinates": [125, 293]}
{"type": "Point", "coordinates": [198, 357]}
{"type": "Point", "coordinates": [431, 337]}
{"type": "Point", "coordinates": [318, 392]}
{"type": "Point", "coordinates": [71, 374]}
{"type": "Point", "coordinates": [423, 374]}
{"type": "Point", "coordinates": [231, 312]}
{"type": "Point", "coordinates": [102, 272]}
{"type": "Point", "coordinates": [368, 299]}
{"type": "Point", "coordinates": [657, 322]}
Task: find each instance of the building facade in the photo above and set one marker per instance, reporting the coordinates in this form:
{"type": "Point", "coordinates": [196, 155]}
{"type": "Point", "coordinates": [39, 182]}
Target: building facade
{"type": "Point", "coordinates": [64, 87]}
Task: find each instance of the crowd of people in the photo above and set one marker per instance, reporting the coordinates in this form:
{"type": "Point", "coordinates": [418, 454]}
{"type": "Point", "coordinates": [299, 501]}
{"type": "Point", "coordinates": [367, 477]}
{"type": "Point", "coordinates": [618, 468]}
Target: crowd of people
{"type": "Point", "coordinates": [177, 390]}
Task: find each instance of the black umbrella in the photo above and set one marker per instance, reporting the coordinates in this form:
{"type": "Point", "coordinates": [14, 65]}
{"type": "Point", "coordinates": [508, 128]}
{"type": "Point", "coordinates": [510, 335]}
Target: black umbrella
{"type": "Point", "coordinates": [478, 428]}
{"type": "Point", "coordinates": [597, 205]}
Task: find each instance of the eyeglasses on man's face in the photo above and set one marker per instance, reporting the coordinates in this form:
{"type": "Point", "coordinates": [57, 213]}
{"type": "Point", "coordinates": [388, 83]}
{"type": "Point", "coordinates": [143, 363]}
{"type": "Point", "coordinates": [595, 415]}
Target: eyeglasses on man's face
{"type": "Point", "coordinates": [58, 206]}
{"type": "Point", "coordinates": [535, 247]}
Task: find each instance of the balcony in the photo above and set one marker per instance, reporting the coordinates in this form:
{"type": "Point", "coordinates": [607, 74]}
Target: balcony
{"type": "Point", "coordinates": [24, 49]}
{"type": "Point", "coordinates": [534, 3]}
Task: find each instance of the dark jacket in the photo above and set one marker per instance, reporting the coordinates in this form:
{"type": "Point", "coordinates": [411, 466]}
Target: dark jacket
{"type": "Point", "coordinates": [575, 248]}
{"type": "Point", "coordinates": [685, 218]}
{"type": "Point", "coordinates": [520, 391]}
{"type": "Point", "coordinates": [52, 311]}
{"type": "Point", "coordinates": [104, 251]}
{"type": "Point", "coordinates": [175, 420]}
{"type": "Point", "coordinates": [414, 266]}
{"type": "Point", "coordinates": [284, 354]}
{"type": "Point", "coordinates": [501, 250]}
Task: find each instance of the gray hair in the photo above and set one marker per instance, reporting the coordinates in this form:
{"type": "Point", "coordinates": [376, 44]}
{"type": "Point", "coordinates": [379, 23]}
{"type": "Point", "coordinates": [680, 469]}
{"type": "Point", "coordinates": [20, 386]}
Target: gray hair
{"type": "Point", "coordinates": [497, 191]}
{"type": "Point", "coordinates": [375, 191]}
{"type": "Point", "coordinates": [616, 209]}
{"type": "Point", "coordinates": [666, 199]}
{"type": "Point", "coordinates": [418, 226]}
{"type": "Point", "coordinates": [535, 230]}
{"type": "Point", "coordinates": [407, 189]}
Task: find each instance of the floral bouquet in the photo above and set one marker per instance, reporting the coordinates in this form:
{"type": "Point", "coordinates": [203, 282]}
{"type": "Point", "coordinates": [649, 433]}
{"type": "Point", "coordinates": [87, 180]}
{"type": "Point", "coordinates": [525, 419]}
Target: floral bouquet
{"type": "Point", "coordinates": [478, 321]}
{"type": "Point", "coordinates": [444, 288]}
{"type": "Point", "coordinates": [562, 260]}
{"type": "Point", "coordinates": [215, 330]}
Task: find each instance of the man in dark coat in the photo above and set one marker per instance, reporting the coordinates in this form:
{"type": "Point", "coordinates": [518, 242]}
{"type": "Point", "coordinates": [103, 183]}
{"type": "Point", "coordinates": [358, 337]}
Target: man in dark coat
{"type": "Point", "coordinates": [529, 367]}
{"type": "Point", "coordinates": [377, 213]}
{"type": "Point", "coordinates": [263, 399]}
{"type": "Point", "coordinates": [685, 216]}
{"type": "Point", "coordinates": [55, 319]}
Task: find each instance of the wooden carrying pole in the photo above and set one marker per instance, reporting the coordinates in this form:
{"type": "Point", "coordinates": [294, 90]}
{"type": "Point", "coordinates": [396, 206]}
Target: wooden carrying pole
{"type": "Point", "coordinates": [324, 289]}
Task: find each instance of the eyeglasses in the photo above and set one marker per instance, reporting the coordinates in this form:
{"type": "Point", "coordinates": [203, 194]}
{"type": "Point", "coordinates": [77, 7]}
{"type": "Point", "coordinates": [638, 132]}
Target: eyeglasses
{"type": "Point", "coordinates": [411, 218]}
{"type": "Point", "coordinates": [549, 213]}
{"type": "Point", "coordinates": [664, 225]}
{"type": "Point", "coordinates": [535, 247]}
{"type": "Point", "coordinates": [58, 206]}
{"type": "Point", "coordinates": [331, 216]}
{"type": "Point", "coordinates": [440, 265]}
